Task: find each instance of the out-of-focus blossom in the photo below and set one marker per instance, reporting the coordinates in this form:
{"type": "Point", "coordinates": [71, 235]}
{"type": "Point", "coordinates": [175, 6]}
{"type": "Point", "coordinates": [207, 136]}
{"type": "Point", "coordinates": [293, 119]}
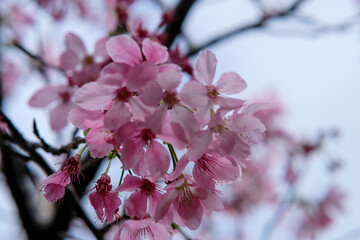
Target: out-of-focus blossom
{"type": "Point", "coordinates": [61, 94]}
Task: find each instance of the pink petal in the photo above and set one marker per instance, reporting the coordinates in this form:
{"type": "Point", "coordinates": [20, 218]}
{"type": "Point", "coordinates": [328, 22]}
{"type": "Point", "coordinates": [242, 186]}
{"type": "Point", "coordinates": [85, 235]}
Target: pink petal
{"type": "Point", "coordinates": [117, 116]}
{"type": "Point", "coordinates": [97, 140]}
{"type": "Point", "coordinates": [205, 67]}
{"type": "Point", "coordinates": [190, 211]}
{"type": "Point", "coordinates": [136, 204]}
{"type": "Point", "coordinates": [75, 44]}
{"type": "Point", "coordinates": [115, 79]}
{"type": "Point", "coordinates": [204, 180]}
{"type": "Point", "coordinates": [111, 205]}
{"type": "Point", "coordinates": [240, 150]}
{"type": "Point", "coordinates": [131, 154]}
{"type": "Point", "coordinates": [180, 166]}
{"type": "Point", "coordinates": [131, 183]}
{"type": "Point", "coordinates": [140, 74]}
{"type": "Point", "coordinates": [194, 94]}
{"type": "Point", "coordinates": [169, 80]}
{"type": "Point", "coordinates": [174, 134]}
{"type": "Point", "coordinates": [203, 114]}
{"type": "Point", "coordinates": [54, 192]}
{"type": "Point", "coordinates": [230, 83]}
{"type": "Point", "coordinates": [44, 96]}
{"type": "Point", "coordinates": [123, 49]}
{"type": "Point", "coordinates": [154, 52]}
{"type": "Point", "coordinates": [58, 116]}
{"type": "Point", "coordinates": [252, 108]}
{"type": "Point", "coordinates": [169, 67]}
{"type": "Point", "coordinates": [96, 200]}
{"type": "Point", "coordinates": [156, 121]}
{"type": "Point", "coordinates": [59, 178]}
{"type": "Point", "coordinates": [186, 120]}
{"type": "Point", "coordinates": [93, 96]}
{"type": "Point", "coordinates": [152, 94]}
{"type": "Point", "coordinates": [115, 68]}
{"type": "Point", "coordinates": [139, 110]}
{"type": "Point", "coordinates": [69, 60]}
{"type": "Point", "coordinates": [100, 53]}
{"type": "Point", "coordinates": [157, 160]}
{"type": "Point", "coordinates": [127, 132]}
{"type": "Point", "coordinates": [164, 203]}
{"type": "Point", "coordinates": [228, 104]}
{"type": "Point", "coordinates": [85, 119]}
{"type": "Point", "coordinates": [251, 128]}
{"type": "Point", "coordinates": [154, 199]}
{"type": "Point", "coordinates": [213, 202]}
{"type": "Point", "coordinates": [199, 145]}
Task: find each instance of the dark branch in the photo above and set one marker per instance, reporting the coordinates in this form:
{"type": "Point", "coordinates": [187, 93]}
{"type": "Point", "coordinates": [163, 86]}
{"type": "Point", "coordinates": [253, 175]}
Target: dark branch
{"type": "Point", "coordinates": [56, 151]}
{"type": "Point", "coordinates": [173, 29]}
{"type": "Point", "coordinates": [258, 24]}
{"type": "Point", "coordinates": [37, 59]}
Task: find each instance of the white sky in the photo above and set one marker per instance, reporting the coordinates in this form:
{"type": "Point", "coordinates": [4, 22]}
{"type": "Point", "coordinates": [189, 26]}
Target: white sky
{"type": "Point", "coordinates": [317, 77]}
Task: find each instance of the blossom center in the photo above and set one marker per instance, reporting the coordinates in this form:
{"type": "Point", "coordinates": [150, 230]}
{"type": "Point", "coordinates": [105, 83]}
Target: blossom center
{"type": "Point", "coordinates": [187, 192]}
{"type": "Point", "coordinates": [147, 135]}
{"type": "Point", "coordinates": [73, 164]}
{"type": "Point", "coordinates": [171, 99]}
{"type": "Point", "coordinates": [103, 184]}
{"type": "Point", "coordinates": [65, 96]}
{"type": "Point", "coordinates": [148, 186]}
{"type": "Point", "coordinates": [88, 60]}
{"type": "Point", "coordinates": [124, 94]}
{"type": "Point", "coordinates": [213, 93]}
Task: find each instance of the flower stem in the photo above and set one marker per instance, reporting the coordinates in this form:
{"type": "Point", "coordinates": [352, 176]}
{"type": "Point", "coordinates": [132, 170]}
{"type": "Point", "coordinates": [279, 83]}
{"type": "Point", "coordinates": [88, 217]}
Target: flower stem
{"type": "Point", "coordinates": [83, 149]}
{"type": "Point", "coordinates": [122, 175]}
{"type": "Point", "coordinates": [108, 167]}
{"type": "Point", "coordinates": [173, 155]}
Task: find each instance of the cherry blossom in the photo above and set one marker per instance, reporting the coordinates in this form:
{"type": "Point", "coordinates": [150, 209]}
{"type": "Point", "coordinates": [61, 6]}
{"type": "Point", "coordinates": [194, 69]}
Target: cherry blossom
{"type": "Point", "coordinates": [144, 200]}
{"type": "Point", "coordinates": [61, 94]}
{"type": "Point", "coordinates": [142, 229]}
{"type": "Point", "coordinates": [104, 200]}
{"type": "Point", "coordinates": [54, 185]}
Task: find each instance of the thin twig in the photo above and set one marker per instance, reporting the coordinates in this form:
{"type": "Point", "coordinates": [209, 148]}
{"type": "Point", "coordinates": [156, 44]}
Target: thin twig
{"type": "Point", "coordinates": [259, 23]}
{"type": "Point", "coordinates": [37, 58]}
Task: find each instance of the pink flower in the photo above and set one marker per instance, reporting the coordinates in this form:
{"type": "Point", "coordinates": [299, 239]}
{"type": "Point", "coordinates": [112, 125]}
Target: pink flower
{"type": "Point", "coordinates": [62, 95]}
{"type": "Point", "coordinates": [318, 216]}
{"type": "Point", "coordinates": [141, 151]}
{"type": "Point", "coordinates": [212, 167]}
{"type": "Point", "coordinates": [83, 67]}
{"type": "Point", "coordinates": [189, 200]}
{"type": "Point", "coordinates": [146, 196]}
{"type": "Point", "coordinates": [123, 49]}
{"type": "Point", "coordinates": [54, 185]}
{"type": "Point", "coordinates": [142, 229]}
{"type": "Point", "coordinates": [104, 200]}
{"type": "Point", "coordinates": [99, 139]}
{"type": "Point", "coordinates": [203, 94]}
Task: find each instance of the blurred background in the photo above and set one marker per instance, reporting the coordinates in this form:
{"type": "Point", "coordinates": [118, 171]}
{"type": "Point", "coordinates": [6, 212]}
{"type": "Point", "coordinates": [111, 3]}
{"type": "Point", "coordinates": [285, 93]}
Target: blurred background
{"type": "Point", "coordinates": [302, 57]}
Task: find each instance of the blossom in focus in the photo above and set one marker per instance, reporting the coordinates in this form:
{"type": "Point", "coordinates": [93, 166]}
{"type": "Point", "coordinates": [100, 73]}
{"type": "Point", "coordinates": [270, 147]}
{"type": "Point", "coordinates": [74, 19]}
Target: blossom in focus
{"type": "Point", "coordinates": [54, 185]}
{"type": "Point", "coordinates": [190, 201]}
{"type": "Point", "coordinates": [144, 200]}
{"type": "Point", "coordinates": [142, 229]}
{"type": "Point", "coordinates": [104, 200]}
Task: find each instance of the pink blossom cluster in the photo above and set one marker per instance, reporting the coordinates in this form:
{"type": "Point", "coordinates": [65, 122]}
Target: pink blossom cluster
{"type": "Point", "coordinates": [137, 110]}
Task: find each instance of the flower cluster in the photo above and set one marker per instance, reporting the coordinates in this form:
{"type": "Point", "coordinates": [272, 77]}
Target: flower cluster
{"type": "Point", "coordinates": [136, 109]}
